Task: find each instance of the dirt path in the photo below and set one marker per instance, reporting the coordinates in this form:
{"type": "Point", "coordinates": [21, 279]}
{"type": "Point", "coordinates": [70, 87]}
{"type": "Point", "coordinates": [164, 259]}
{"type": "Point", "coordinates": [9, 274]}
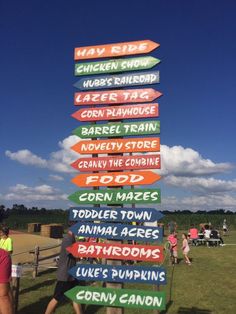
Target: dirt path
{"type": "Point", "coordinates": [24, 242]}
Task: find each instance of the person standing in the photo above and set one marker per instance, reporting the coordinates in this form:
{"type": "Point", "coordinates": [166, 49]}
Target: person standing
{"type": "Point", "coordinates": [185, 248]}
{"type": "Point", "coordinates": [6, 242]}
{"type": "Point", "coordinates": [193, 234]}
{"type": "Point", "coordinates": [64, 280]}
{"type": "Point", "coordinates": [5, 278]}
{"type": "Point", "coordinates": [225, 227]}
{"type": "Point", "coordinates": [173, 242]}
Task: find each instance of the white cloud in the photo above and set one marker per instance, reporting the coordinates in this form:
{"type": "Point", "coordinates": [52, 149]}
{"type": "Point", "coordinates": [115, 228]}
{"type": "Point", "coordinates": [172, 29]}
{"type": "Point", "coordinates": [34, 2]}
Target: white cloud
{"type": "Point", "coordinates": [25, 157]}
{"type": "Point", "coordinates": [24, 193]}
{"type": "Point", "coordinates": [58, 161]}
{"type": "Point", "coordinates": [201, 185]}
{"type": "Point", "coordinates": [55, 177]}
{"type": "Point", "coordinates": [201, 202]}
{"type": "Point", "coordinates": [181, 161]}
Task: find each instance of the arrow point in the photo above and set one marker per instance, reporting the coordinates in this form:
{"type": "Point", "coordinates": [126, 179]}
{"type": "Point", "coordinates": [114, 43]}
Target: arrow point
{"type": "Point", "coordinates": [69, 249]}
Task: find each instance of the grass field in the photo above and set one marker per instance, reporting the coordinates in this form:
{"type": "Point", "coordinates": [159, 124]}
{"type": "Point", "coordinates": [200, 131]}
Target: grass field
{"type": "Point", "coordinates": [207, 286]}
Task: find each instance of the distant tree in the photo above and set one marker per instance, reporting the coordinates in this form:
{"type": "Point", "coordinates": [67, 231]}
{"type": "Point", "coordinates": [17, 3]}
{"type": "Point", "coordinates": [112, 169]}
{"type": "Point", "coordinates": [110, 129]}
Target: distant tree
{"type": "Point", "coordinates": [4, 212]}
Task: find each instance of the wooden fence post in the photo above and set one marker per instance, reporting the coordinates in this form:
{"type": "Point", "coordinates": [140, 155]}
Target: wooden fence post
{"type": "Point", "coordinates": [15, 286]}
{"type": "Point", "coordinates": [36, 261]}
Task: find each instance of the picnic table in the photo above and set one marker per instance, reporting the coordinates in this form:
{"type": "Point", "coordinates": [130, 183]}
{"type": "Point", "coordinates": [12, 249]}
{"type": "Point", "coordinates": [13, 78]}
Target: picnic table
{"type": "Point", "coordinates": [202, 241]}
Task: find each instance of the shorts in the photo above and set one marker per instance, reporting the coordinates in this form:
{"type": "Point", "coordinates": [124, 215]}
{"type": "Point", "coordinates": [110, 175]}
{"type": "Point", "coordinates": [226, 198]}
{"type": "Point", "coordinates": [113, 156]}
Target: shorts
{"type": "Point", "coordinates": [63, 286]}
{"type": "Point", "coordinates": [5, 269]}
{"type": "Point", "coordinates": [174, 253]}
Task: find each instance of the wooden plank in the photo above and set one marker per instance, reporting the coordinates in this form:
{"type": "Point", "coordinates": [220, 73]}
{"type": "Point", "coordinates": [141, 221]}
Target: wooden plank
{"type": "Point", "coordinates": [145, 253]}
{"type": "Point", "coordinates": [115, 65]}
{"type": "Point", "coordinates": [115, 50]}
{"type": "Point", "coordinates": [117, 112]}
{"type": "Point", "coordinates": [112, 146]}
{"type": "Point", "coordinates": [116, 178]}
{"type": "Point", "coordinates": [119, 273]}
{"type": "Point", "coordinates": [119, 196]}
{"type": "Point", "coordinates": [114, 214]}
{"type": "Point", "coordinates": [118, 80]}
{"type": "Point", "coordinates": [118, 129]}
{"type": "Point", "coordinates": [118, 162]}
{"type": "Point", "coordinates": [118, 297]}
{"type": "Point", "coordinates": [117, 231]}
{"type": "Point", "coordinates": [116, 96]}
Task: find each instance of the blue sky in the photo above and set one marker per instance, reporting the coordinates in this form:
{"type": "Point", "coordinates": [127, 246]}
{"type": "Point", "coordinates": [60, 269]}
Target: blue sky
{"type": "Point", "coordinates": [198, 66]}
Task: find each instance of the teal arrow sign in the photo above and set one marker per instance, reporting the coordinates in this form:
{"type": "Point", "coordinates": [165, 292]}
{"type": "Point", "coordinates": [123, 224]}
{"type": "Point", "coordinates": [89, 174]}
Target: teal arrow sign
{"type": "Point", "coordinates": [118, 196]}
{"type": "Point", "coordinates": [118, 129]}
{"type": "Point", "coordinates": [115, 65]}
{"type": "Point", "coordinates": [119, 80]}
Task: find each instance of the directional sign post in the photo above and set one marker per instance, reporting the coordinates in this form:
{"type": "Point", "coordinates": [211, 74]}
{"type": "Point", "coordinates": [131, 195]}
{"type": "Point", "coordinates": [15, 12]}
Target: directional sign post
{"type": "Point", "coordinates": [119, 80]}
{"type": "Point", "coordinates": [118, 129]}
{"type": "Point", "coordinates": [108, 273]}
{"type": "Point", "coordinates": [115, 50]}
{"type": "Point", "coordinates": [119, 196]}
{"type": "Point", "coordinates": [114, 214]}
{"type": "Point", "coordinates": [118, 297]}
{"type": "Point", "coordinates": [118, 162]}
{"type": "Point", "coordinates": [145, 144]}
{"type": "Point", "coordinates": [116, 178]}
{"type": "Point", "coordinates": [117, 112]}
{"type": "Point", "coordinates": [121, 96]}
{"type": "Point", "coordinates": [117, 231]}
{"type": "Point", "coordinates": [115, 65]}
{"type": "Point", "coordinates": [101, 87]}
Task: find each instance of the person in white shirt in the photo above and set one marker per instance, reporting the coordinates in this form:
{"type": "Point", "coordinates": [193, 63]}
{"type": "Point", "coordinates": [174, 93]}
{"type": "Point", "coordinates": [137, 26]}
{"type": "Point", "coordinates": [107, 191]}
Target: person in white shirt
{"type": "Point", "coordinates": [207, 234]}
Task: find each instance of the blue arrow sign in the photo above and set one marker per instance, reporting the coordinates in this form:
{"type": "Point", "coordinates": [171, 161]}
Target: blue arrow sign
{"type": "Point", "coordinates": [117, 231]}
{"type": "Point", "coordinates": [136, 274]}
{"type": "Point", "coordinates": [114, 214]}
{"type": "Point", "coordinates": [120, 80]}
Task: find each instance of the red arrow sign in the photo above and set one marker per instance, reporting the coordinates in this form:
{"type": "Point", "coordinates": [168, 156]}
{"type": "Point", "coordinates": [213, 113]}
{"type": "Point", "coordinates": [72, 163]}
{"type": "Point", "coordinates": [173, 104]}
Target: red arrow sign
{"type": "Point", "coordinates": [117, 251]}
{"type": "Point", "coordinates": [117, 163]}
{"type": "Point", "coordinates": [116, 178]}
{"type": "Point", "coordinates": [145, 144]}
{"type": "Point", "coordinates": [117, 112]}
{"type": "Point", "coordinates": [116, 96]}
{"type": "Point", "coordinates": [115, 50]}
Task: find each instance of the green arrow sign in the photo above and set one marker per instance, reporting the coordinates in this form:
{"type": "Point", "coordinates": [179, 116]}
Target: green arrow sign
{"type": "Point", "coordinates": [149, 300]}
{"type": "Point", "coordinates": [118, 129]}
{"type": "Point", "coordinates": [118, 196]}
{"type": "Point", "coordinates": [115, 65]}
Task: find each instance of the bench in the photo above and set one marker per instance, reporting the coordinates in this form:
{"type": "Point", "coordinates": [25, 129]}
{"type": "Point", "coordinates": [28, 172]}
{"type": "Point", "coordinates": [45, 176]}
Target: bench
{"type": "Point", "coordinates": [211, 241]}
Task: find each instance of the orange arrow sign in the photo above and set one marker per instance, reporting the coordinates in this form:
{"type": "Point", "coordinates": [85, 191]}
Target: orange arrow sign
{"type": "Point", "coordinates": [115, 50]}
{"type": "Point", "coordinates": [116, 178]}
{"type": "Point", "coordinates": [145, 144]}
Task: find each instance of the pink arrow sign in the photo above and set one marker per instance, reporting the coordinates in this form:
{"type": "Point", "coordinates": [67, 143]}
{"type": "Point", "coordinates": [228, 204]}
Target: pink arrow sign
{"type": "Point", "coordinates": [117, 112]}
{"type": "Point", "coordinates": [116, 96]}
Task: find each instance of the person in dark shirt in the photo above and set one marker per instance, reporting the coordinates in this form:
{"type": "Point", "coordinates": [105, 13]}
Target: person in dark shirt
{"type": "Point", "coordinates": [64, 280]}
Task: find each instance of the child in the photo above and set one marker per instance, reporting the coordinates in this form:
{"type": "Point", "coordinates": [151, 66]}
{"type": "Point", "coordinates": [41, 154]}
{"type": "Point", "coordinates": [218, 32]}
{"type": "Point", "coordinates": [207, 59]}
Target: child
{"type": "Point", "coordinates": [185, 248]}
{"type": "Point", "coordinates": [172, 238]}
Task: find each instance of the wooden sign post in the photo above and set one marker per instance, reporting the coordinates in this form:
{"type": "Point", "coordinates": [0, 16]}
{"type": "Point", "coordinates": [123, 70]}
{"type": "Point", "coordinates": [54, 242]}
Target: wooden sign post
{"type": "Point", "coordinates": [118, 172]}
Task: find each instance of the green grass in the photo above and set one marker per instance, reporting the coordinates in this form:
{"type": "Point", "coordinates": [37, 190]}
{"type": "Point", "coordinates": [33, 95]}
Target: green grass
{"type": "Point", "coordinates": [207, 286]}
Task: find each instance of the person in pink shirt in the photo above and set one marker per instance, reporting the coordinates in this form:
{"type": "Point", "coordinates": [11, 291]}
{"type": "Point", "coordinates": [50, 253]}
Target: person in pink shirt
{"type": "Point", "coordinates": [172, 239]}
{"type": "Point", "coordinates": [185, 248]}
{"type": "Point", "coordinates": [193, 234]}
